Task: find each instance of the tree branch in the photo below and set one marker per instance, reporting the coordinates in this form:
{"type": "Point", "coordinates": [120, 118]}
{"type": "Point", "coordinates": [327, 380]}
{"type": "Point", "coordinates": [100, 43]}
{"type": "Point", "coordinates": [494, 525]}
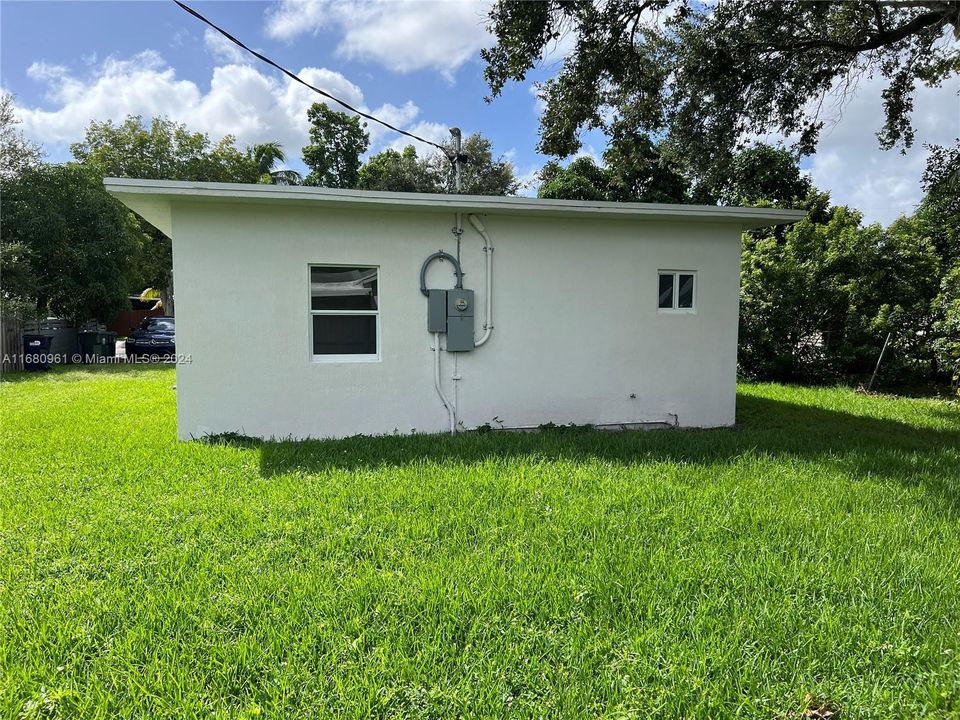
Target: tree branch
{"type": "Point", "coordinates": [921, 22]}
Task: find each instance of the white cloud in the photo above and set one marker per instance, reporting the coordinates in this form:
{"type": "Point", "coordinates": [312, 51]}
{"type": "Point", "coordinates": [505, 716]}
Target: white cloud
{"type": "Point", "coordinates": [401, 35]}
{"type": "Point", "coordinates": [222, 49]}
{"type": "Point", "coordinates": [45, 71]}
{"type": "Point", "coordinates": [883, 184]}
{"type": "Point", "coordinates": [241, 101]}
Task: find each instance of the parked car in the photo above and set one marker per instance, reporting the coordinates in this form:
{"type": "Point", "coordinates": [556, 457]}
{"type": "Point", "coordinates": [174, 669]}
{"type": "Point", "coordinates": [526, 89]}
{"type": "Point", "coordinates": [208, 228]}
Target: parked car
{"type": "Point", "coordinates": [153, 338]}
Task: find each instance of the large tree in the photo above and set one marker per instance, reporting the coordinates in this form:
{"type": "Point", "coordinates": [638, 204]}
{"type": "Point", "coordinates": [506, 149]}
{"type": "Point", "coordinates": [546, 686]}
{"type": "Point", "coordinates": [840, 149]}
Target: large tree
{"type": "Point", "coordinates": [164, 150]}
{"type": "Point", "coordinates": [940, 209]}
{"type": "Point", "coordinates": [709, 75]}
{"type": "Point", "coordinates": [16, 152]}
{"type": "Point", "coordinates": [582, 179]}
{"type": "Point", "coordinates": [337, 141]}
{"type": "Point", "coordinates": [760, 174]}
{"type": "Point", "coordinates": [481, 174]}
{"type": "Point", "coordinates": [634, 170]}
{"type": "Point", "coordinates": [68, 247]}
{"type": "Point", "coordinates": [406, 171]}
{"type": "Point", "coordinates": [17, 156]}
{"type": "Point", "coordinates": [818, 300]}
{"type": "Point", "coordinates": [396, 171]}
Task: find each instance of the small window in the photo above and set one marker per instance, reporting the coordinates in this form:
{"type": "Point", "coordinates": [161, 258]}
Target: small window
{"type": "Point", "coordinates": [676, 290]}
{"type": "Point", "coordinates": [345, 313]}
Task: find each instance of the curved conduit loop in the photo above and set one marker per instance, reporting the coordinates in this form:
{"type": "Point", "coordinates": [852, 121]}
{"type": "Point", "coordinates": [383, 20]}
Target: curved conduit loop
{"type": "Point", "coordinates": [440, 255]}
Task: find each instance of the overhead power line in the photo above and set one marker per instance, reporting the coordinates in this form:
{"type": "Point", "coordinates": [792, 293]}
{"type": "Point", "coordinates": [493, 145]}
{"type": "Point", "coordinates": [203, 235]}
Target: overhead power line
{"type": "Point", "coordinates": [325, 94]}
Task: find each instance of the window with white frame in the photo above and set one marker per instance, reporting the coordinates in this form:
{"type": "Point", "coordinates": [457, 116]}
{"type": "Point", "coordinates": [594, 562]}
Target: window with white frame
{"type": "Point", "coordinates": [344, 312]}
{"type": "Point", "coordinates": [676, 290]}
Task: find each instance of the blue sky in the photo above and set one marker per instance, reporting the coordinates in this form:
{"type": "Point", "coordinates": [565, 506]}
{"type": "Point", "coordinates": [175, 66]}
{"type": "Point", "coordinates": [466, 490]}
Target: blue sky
{"type": "Point", "coordinates": [416, 62]}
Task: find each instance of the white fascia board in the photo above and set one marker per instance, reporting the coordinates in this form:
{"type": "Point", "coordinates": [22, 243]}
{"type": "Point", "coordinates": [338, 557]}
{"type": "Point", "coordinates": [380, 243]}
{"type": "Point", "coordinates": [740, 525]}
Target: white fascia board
{"type": "Point", "coordinates": [152, 199]}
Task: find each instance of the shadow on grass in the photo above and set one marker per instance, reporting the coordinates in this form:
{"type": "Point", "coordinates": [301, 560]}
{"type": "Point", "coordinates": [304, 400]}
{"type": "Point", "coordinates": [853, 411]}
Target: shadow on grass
{"type": "Point", "coordinates": [861, 446]}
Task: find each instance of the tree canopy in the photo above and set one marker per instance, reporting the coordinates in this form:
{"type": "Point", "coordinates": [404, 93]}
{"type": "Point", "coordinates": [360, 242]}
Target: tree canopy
{"type": "Point", "coordinates": [481, 174]}
{"type": "Point", "coordinates": [337, 141]}
{"type": "Point", "coordinates": [761, 173]}
{"type": "Point", "coordinates": [166, 150]}
{"type": "Point", "coordinates": [162, 150]}
{"type": "Point", "coordinates": [707, 76]}
{"type": "Point", "coordinates": [636, 171]}
{"type": "Point", "coordinates": [392, 170]}
{"type": "Point", "coordinates": [68, 248]}
{"type": "Point", "coordinates": [406, 171]}
{"type": "Point", "coordinates": [16, 152]}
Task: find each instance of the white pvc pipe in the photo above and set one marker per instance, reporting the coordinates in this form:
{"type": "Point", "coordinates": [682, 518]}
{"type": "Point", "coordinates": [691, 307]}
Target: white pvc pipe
{"type": "Point", "coordinates": [488, 251]}
{"type": "Point", "coordinates": [451, 410]}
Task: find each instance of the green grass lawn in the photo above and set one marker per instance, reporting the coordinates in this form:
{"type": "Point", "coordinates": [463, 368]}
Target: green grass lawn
{"type": "Point", "coordinates": [813, 549]}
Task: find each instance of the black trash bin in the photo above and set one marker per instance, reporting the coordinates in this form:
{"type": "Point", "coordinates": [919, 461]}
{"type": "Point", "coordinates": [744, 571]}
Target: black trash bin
{"type": "Point", "coordinates": [36, 352]}
{"type": "Point", "coordinates": [96, 343]}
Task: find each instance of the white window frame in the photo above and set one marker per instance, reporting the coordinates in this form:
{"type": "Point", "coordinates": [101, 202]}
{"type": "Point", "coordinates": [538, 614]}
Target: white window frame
{"type": "Point", "coordinates": [676, 292]}
{"type": "Point", "coordinates": [349, 358]}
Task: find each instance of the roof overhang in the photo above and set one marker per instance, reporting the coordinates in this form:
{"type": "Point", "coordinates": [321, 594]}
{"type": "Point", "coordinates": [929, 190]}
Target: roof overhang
{"type": "Point", "coordinates": [153, 200]}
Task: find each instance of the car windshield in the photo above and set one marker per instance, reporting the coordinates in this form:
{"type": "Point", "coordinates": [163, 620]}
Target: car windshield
{"type": "Point", "coordinates": [158, 325]}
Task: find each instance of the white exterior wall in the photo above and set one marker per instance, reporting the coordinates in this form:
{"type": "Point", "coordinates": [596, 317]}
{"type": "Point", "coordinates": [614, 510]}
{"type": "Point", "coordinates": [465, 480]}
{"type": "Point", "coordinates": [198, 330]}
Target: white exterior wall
{"type": "Point", "coordinates": [577, 330]}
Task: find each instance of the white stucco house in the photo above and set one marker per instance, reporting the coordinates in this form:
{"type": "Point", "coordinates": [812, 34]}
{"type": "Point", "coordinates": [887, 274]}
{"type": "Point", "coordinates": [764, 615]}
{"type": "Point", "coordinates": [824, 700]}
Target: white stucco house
{"type": "Point", "coordinates": [311, 312]}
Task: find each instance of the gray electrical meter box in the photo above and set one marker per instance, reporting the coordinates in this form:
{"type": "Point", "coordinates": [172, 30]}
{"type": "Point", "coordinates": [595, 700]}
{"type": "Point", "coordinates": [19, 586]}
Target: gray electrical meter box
{"type": "Point", "coordinates": [459, 320]}
{"type": "Point", "coordinates": [449, 311]}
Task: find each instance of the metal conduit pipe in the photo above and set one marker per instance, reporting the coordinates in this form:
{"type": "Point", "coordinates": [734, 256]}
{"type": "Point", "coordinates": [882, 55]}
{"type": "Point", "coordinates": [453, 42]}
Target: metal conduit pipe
{"type": "Point", "coordinates": [488, 251]}
{"type": "Point", "coordinates": [451, 410]}
{"type": "Point", "coordinates": [440, 255]}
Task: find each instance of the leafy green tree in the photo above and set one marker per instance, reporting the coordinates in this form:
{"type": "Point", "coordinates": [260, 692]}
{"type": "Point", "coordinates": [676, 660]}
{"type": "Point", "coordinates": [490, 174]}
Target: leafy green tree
{"type": "Point", "coordinates": [640, 172]}
{"type": "Point", "coordinates": [267, 156]}
{"type": "Point", "coordinates": [17, 154]}
{"type": "Point", "coordinates": [946, 308]}
{"type": "Point", "coordinates": [337, 141]}
{"type": "Point", "coordinates": [481, 174]}
{"type": "Point", "coordinates": [817, 302]}
{"type": "Point", "coordinates": [165, 150]}
{"type": "Point", "coordinates": [940, 209]}
{"type": "Point", "coordinates": [582, 179]}
{"type": "Point", "coordinates": [394, 171]}
{"type": "Point", "coordinates": [709, 74]}
{"type": "Point", "coordinates": [69, 247]}
{"type": "Point", "coordinates": [634, 171]}
{"type": "Point", "coordinates": [761, 173]}
{"type": "Point", "coordinates": [18, 292]}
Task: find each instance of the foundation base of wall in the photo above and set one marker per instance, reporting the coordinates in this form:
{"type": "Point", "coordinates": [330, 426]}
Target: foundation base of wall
{"type": "Point", "coordinates": [608, 427]}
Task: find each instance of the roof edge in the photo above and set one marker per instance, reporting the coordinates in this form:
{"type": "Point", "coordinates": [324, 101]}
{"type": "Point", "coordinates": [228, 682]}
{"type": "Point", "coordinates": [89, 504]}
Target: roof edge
{"type": "Point", "coordinates": [143, 195]}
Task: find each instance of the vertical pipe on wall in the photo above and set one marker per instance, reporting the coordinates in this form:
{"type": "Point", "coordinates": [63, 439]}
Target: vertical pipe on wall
{"type": "Point", "coordinates": [458, 232]}
{"type": "Point", "coordinates": [488, 252]}
{"type": "Point", "coordinates": [451, 410]}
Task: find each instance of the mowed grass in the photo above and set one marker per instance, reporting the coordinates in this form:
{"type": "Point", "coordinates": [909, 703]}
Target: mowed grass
{"type": "Point", "coordinates": [814, 549]}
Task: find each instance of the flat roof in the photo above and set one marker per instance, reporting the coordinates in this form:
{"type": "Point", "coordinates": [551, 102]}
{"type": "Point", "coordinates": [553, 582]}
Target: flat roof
{"type": "Point", "coordinates": [153, 199]}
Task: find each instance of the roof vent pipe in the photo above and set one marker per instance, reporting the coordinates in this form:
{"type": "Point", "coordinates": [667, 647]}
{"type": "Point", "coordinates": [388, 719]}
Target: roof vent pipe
{"type": "Point", "coordinates": [457, 157]}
